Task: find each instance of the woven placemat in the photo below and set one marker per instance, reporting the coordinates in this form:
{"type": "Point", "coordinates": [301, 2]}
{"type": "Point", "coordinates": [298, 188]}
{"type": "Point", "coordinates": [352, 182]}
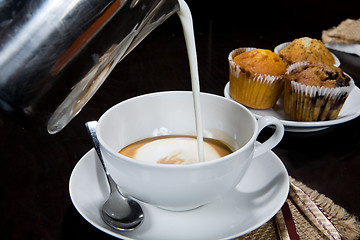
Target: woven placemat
{"type": "Point", "coordinates": [346, 224]}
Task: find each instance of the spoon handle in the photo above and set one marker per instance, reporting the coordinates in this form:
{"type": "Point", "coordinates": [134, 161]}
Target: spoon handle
{"type": "Point", "coordinates": [91, 128]}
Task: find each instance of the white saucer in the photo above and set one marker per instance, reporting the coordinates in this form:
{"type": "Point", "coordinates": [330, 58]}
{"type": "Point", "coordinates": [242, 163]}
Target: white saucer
{"type": "Point", "coordinates": [257, 198]}
{"type": "Point", "coordinates": [349, 111]}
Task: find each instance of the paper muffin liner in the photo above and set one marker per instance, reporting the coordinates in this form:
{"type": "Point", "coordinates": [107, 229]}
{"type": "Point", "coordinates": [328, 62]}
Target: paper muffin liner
{"type": "Point", "coordinates": [278, 48]}
{"type": "Point", "coordinates": [313, 103]}
{"type": "Point", "coordinates": [259, 91]}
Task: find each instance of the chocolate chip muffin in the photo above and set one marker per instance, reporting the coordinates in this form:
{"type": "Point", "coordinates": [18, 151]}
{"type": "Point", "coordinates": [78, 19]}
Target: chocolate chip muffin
{"type": "Point", "coordinates": [319, 75]}
{"type": "Point", "coordinates": [315, 91]}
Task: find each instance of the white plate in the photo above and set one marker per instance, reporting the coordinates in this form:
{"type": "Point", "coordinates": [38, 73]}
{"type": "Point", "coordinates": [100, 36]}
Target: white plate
{"type": "Point", "coordinates": [257, 198]}
{"type": "Point", "coordinates": [349, 111]}
{"type": "Point", "coordinates": [282, 45]}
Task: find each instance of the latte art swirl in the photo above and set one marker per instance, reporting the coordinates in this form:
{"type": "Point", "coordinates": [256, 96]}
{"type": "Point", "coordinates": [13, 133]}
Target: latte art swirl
{"type": "Point", "coordinates": [173, 149]}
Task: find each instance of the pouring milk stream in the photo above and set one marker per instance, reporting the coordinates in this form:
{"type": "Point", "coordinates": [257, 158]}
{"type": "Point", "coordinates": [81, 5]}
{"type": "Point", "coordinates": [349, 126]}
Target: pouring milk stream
{"type": "Point", "coordinates": [187, 24]}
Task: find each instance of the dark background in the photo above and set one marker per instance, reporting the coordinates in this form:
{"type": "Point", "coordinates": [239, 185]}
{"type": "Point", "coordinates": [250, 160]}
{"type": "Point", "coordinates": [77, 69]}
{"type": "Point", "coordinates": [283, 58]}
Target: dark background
{"type": "Point", "coordinates": [35, 167]}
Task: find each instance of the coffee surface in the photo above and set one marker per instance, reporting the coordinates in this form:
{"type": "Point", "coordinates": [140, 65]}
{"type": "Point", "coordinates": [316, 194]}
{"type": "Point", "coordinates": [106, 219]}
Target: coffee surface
{"type": "Point", "coordinates": [175, 149]}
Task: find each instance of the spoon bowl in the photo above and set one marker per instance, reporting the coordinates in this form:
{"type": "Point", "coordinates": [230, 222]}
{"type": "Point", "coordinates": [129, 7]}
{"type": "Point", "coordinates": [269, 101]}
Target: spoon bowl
{"type": "Point", "coordinates": [119, 212]}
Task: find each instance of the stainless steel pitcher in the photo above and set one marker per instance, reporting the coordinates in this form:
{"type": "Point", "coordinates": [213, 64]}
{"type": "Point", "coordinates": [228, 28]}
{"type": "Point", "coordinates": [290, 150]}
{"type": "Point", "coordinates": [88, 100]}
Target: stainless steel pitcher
{"type": "Point", "coordinates": [55, 54]}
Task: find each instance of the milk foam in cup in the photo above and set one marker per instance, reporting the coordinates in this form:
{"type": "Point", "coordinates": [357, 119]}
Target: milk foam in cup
{"type": "Point", "coordinates": [180, 187]}
{"type": "Point", "coordinates": [175, 149]}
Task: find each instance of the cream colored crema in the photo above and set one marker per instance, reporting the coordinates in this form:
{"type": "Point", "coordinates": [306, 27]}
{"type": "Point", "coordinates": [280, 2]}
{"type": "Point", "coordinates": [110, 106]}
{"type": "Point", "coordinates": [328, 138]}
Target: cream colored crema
{"type": "Point", "coordinates": [174, 149]}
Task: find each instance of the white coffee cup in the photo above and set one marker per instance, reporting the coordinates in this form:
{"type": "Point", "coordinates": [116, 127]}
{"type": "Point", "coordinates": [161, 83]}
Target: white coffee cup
{"type": "Point", "coordinates": [181, 187]}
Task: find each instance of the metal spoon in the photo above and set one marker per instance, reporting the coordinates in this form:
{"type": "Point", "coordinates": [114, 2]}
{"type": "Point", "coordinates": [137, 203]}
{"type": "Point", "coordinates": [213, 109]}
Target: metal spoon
{"type": "Point", "coordinates": [118, 212]}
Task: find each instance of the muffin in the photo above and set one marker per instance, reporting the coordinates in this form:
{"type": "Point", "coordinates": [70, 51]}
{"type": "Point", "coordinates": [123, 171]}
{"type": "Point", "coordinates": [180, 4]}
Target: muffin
{"type": "Point", "coordinates": [256, 77]}
{"type": "Point", "coordinates": [306, 50]}
{"type": "Point", "coordinates": [315, 91]}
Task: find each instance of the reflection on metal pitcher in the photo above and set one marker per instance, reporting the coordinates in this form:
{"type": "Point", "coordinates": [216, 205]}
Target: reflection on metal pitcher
{"type": "Point", "coordinates": [54, 55]}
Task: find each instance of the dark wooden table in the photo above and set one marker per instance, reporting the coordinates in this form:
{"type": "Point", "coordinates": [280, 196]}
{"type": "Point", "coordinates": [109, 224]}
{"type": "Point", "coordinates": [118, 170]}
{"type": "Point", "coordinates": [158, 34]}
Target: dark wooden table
{"type": "Point", "coordinates": [35, 167]}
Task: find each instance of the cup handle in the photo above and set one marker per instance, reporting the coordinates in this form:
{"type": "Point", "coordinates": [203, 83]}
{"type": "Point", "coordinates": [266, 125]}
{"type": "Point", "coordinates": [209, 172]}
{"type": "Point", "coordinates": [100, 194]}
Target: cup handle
{"type": "Point", "coordinates": [274, 139]}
